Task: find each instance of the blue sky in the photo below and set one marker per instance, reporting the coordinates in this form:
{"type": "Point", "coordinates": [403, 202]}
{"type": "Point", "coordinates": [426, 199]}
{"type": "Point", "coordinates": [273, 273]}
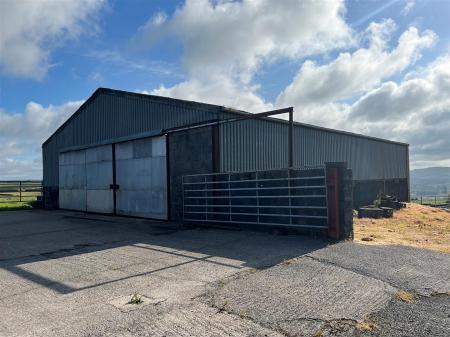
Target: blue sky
{"type": "Point", "coordinates": [353, 65]}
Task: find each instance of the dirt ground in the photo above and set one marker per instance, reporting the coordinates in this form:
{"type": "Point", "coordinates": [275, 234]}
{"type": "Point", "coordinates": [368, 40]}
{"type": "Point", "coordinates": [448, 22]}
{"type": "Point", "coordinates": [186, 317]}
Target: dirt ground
{"type": "Point", "coordinates": [416, 225]}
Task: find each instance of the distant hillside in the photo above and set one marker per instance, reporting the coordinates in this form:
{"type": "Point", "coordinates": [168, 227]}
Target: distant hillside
{"type": "Point", "coordinates": [430, 181]}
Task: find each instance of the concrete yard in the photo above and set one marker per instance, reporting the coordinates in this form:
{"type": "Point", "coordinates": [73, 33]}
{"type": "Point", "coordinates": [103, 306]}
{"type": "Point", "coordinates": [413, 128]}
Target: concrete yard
{"type": "Point", "coordinates": [72, 274]}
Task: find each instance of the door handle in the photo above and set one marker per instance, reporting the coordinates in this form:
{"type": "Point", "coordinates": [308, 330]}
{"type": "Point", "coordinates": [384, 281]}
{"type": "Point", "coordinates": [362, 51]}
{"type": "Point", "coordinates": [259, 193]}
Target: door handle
{"type": "Point", "coordinates": [113, 186]}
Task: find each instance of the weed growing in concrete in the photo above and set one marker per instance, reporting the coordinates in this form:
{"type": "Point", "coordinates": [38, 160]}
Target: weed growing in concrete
{"type": "Point", "coordinates": [319, 333]}
{"type": "Point", "coordinates": [224, 306]}
{"type": "Point", "coordinates": [136, 299]}
{"type": "Point", "coordinates": [242, 313]}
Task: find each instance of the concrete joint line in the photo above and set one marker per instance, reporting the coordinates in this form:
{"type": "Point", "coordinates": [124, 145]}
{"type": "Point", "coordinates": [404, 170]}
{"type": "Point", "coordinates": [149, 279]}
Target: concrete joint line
{"type": "Point", "coordinates": [48, 255]}
{"type": "Point", "coordinates": [41, 233]}
{"type": "Point", "coordinates": [434, 293]}
{"type": "Point", "coordinates": [350, 270]}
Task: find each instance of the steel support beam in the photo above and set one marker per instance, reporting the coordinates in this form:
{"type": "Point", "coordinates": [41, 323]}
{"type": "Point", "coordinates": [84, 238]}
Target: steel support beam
{"type": "Point", "coordinates": [290, 138]}
{"type": "Point", "coordinates": [216, 122]}
{"type": "Point", "coordinates": [231, 120]}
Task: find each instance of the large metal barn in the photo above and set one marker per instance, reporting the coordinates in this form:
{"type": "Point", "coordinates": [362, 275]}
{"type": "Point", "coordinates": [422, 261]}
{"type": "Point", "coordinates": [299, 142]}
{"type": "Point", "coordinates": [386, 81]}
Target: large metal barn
{"type": "Point", "coordinates": [140, 155]}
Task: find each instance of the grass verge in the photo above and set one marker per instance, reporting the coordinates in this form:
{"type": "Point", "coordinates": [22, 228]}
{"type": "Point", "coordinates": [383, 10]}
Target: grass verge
{"type": "Point", "coordinates": [15, 206]}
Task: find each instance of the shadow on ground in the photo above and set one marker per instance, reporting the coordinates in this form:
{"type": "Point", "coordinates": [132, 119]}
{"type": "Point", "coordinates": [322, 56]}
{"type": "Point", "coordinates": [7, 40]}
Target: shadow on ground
{"type": "Point", "coordinates": [37, 236]}
{"type": "Point", "coordinates": [72, 274]}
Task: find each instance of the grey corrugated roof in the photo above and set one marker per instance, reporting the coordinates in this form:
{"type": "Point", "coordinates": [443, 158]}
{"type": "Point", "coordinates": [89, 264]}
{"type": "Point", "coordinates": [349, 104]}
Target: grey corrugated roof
{"type": "Point", "coordinates": [201, 106]}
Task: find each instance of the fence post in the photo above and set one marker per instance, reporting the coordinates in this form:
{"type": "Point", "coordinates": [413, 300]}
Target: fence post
{"type": "Point", "coordinates": [182, 193]}
{"type": "Point", "coordinates": [20, 191]}
{"type": "Point", "coordinates": [257, 196]}
{"type": "Point", "coordinates": [229, 198]}
{"type": "Point", "coordinates": [339, 183]}
{"type": "Point", "coordinates": [333, 202]}
{"type": "Point", "coordinates": [206, 197]}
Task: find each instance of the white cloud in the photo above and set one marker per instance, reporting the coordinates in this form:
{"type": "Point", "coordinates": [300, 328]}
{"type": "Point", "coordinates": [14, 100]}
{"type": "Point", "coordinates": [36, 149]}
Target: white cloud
{"type": "Point", "coordinates": [126, 64]}
{"type": "Point", "coordinates": [30, 30]}
{"type": "Point", "coordinates": [409, 5]}
{"type": "Point", "coordinates": [351, 74]}
{"type": "Point", "coordinates": [416, 111]}
{"type": "Point", "coordinates": [20, 169]}
{"type": "Point", "coordinates": [156, 20]}
{"type": "Point", "coordinates": [22, 134]}
{"type": "Point", "coordinates": [217, 90]}
{"type": "Point", "coordinates": [225, 42]}
{"type": "Point", "coordinates": [236, 36]}
{"type": "Point", "coordinates": [96, 76]}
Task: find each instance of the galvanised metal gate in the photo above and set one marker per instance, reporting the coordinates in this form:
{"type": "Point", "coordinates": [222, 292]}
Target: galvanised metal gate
{"type": "Point", "coordinates": [295, 197]}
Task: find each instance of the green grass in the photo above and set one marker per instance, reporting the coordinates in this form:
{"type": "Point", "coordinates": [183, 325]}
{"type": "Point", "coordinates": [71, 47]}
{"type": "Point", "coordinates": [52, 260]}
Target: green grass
{"type": "Point", "coordinates": [14, 206]}
{"type": "Point", "coordinates": [136, 299]}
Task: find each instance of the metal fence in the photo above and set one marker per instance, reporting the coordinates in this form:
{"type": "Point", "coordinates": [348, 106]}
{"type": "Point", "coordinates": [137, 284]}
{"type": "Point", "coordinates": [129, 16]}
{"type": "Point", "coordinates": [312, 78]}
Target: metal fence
{"type": "Point", "coordinates": [20, 191]}
{"type": "Point", "coordinates": [436, 200]}
{"type": "Point", "coordinates": [287, 197]}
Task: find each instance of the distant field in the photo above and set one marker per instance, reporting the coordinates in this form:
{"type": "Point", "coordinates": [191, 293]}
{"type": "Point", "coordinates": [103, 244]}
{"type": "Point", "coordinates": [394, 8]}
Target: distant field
{"type": "Point", "coordinates": [12, 191]}
{"type": "Point", "coordinates": [417, 225]}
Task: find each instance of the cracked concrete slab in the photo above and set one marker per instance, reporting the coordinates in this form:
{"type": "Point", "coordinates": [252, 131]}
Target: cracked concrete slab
{"type": "Point", "coordinates": [197, 320]}
{"type": "Point", "coordinates": [314, 328]}
{"type": "Point", "coordinates": [57, 283]}
{"type": "Point", "coordinates": [303, 290]}
{"type": "Point", "coordinates": [60, 272]}
{"type": "Point", "coordinates": [419, 270]}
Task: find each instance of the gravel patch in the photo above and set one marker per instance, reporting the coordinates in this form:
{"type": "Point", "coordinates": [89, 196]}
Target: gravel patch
{"type": "Point", "coordinates": [425, 317]}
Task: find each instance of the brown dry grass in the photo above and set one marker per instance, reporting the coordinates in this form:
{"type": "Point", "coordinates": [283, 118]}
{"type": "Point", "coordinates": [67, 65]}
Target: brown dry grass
{"type": "Point", "coordinates": [416, 225]}
{"type": "Point", "coordinates": [365, 326]}
{"type": "Point", "coordinates": [405, 296]}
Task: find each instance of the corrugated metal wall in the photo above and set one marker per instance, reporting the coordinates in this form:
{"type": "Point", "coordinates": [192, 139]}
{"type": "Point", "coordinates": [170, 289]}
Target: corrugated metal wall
{"type": "Point", "coordinates": [253, 145]}
{"type": "Point", "coordinates": [368, 158]}
{"type": "Point", "coordinates": [247, 145]}
{"type": "Point", "coordinates": [262, 144]}
{"type": "Point", "coordinates": [111, 116]}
